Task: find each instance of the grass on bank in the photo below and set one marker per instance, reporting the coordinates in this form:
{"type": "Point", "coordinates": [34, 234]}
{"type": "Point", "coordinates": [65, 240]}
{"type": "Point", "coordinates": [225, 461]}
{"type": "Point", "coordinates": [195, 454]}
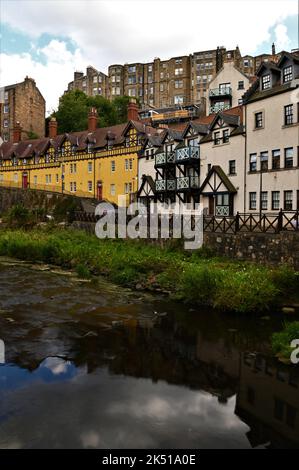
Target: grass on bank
{"type": "Point", "coordinates": [193, 277]}
{"type": "Point", "coordinates": [281, 342]}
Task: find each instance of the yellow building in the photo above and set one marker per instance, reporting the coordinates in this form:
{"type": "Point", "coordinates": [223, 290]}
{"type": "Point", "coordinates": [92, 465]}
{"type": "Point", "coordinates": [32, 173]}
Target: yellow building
{"type": "Point", "coordinates": [98, 163]}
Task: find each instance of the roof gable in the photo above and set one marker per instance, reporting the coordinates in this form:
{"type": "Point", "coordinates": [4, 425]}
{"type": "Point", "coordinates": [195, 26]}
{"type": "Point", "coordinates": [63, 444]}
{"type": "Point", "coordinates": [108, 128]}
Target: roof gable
{"type": "Point", "coordinates": [217, 182]}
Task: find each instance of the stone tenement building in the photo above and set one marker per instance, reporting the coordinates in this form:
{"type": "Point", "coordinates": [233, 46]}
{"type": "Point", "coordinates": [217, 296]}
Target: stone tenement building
{"type": "Point", "coordinates": [24, 103]}
{"type": "Point", "coordinates": [162, 83]}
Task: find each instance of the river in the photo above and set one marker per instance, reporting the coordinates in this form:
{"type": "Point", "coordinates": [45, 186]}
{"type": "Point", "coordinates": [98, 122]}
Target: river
{"type": "Point", "coordinates": [92, 365]}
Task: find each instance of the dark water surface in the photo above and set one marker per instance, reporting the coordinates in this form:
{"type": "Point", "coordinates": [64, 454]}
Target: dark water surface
{"type": "Point", "coordinates": [97, 366]}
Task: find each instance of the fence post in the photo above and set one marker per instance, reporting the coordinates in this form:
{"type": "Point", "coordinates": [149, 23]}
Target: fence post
{"type": "Point", "coordinates": [237, 222]}
{"type": "Point", "coordinates": [280, 221]}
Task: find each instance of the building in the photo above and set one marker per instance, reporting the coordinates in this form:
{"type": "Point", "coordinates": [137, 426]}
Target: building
{"type": "Point", "coordinates": [244, 159]}
{"type": "Point", "coordinates": [22, 102]}
{"type": "Point", "coordinates": [226, 89]}
{"type": "Point", "coordinates": [93, 83]}
{"type": "Point", "coordinates": [272, 137]}
{"type": "Point", "coordinates": [99, 163]}
{"type": "Point", "coordinates": [178, 81]}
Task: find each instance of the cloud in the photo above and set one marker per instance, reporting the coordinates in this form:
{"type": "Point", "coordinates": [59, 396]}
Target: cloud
{"type": "Point", "coordinates": [52, 69]}
{"type": "Point", "coordinates": [119, 31]}
{"type": "Point", "coordinates": [282, 40]}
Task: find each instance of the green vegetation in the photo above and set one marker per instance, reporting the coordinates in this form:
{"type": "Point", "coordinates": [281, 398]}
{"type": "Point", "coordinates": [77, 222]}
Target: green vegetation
{"type": "Point", "coordinates": [220, 283]}
{"type": "Point", "coordinates": [281, 342]}
{"type": "Point", "coordinates": [72, 113]}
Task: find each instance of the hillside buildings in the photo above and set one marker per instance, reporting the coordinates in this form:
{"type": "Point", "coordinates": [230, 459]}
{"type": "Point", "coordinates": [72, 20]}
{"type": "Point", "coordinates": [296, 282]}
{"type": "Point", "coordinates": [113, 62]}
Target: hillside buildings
{"type": "Point", "coordinates": [24, 103]}
{"type": "Point", "coordinates": [243, 159]}
{"type": "Point", "coordinates": [179, 81]}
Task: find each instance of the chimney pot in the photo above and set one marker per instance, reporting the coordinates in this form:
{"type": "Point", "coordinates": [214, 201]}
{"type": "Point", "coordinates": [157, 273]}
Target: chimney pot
{"type": "Point", "coordinates": [133, 110]}
{"type": "Point", "coordinates": [273, 48]}
{"type": "Point", "coordinates": [53, 128]}
{"type": "Point", "coordinates": [92, 119]}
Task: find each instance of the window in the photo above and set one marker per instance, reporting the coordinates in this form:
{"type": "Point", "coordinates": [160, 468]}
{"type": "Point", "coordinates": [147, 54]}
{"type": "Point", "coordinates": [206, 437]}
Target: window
{"type": "Point", "coordinates": [258, 120]}
{"type": "Point", "coordinates": [113, 165]}
{"type": "Point", "coordinates": [112, 189]}
{"type": "Point", "coordinates": [132, 68]}
{"type": "Point", "coordinates": [5, 137]}
{"type": "Point", "coordinates": [226, 136]}
{"type": "Point", "coordinates": [126, 164]}
{"type": "Point", "coordinates": [57, 178]}
{"type": "Point", "coordinates": [252, 162]}
{"type": "Point", "coordinates": [132, 92]}
{"type": "Point", "coordinates": [241, 85]}
{"type": "Point", "coordinates": [6, 108]}
{"type": "Point", "coordinates": [95, 79]}
{"type": "Point", "coordinates": [217, 139]}
{"type": "Point", "coordinates": [288, 200]}
{"type": "Point", "coordinates": [150, 68]}
{"type": "Point", "coordinates": [252, 201]}
{"type": "Point", "coordinates": [264, 161]}
{"type": "Point", "coordinates": [264, 200]}
{"type": "Point", "coordinates": [266, 82]}
{"type": "Point", "coordinates": [275, 159]}
{"type": "Point", "coordinates": [275, 200]}
{"type": "Point", "coordinates": [132, 80]}
{"type": "Point", "coordinates": [89, 186]}
{"type": "Point", "coordinates": [288, 115]}
{"type": "Point", "coordinates": [178, 99]}
{"type": "Point", "coordinates": [287, 74]}
{"type": "Point", "coordinates": [232, 167]}
{"type": "Point", "coordinates": [73, 168]}
{"type": "Point", "coordinates": [161, 87]}
{"type": "Point", "coordinates": [288, 157]}
{"type": "Point", "coordinates": [240, 101]}
{"type": "Point", "coordinates": [89, 167]}
{"type": "Point", "coordinates": [178, 84]}
{"type": "Point", "coordinates": [130, 163]}
{"type": "Point", "coordinates": [128, 188]}
{"type": "Point", "coordinates": [35, 180]}
{"type": "Point", "coordinates": [5, 123]}
{"type": "Point", "coordinates": [178, 71]}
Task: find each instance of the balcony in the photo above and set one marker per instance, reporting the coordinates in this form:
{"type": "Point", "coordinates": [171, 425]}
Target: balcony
{"type": "Point", "coordinates": [219, 107]}
{"type": "Point", "coordinates": [221, 91]}
{"type": "Point", "coordinates": [165, 185]}
{"type": "Point", "coordinates": [163, 158]}
{"type": "Point", "coordinates": [187, 183]}
{"type": "Point", "coordinates": [187, 154]}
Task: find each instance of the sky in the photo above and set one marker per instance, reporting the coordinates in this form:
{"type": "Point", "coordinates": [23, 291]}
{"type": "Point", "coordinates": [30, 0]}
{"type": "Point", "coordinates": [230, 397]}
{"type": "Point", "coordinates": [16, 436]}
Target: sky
{"type": "Point", "coordinates": [49, 39]}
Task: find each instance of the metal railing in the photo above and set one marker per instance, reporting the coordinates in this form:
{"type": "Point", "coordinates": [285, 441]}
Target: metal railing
{"type": "Point", "coordinates": [221, 91]}
{"type": "Point", "coordinates": [185, 154]}
{"type": "Point", "coordinates": [219, 107]}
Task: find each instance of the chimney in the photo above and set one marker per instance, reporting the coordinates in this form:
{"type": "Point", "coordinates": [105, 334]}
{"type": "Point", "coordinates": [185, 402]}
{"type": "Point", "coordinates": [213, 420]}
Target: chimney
{"type": "Point", "coordinates": [92, 119]}
{"type": "Point", "coordinates": [16, 133]}
{"type": "Point", "coordinates": [273, 48]}
{"type": "Point", "coordinates": [133, 110]}
{"type": "Point", "coordinates": [52, 128]}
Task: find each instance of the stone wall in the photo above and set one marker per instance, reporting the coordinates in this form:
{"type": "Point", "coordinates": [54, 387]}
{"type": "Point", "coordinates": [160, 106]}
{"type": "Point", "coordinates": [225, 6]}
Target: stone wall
{"type": "Point", "coordinates": [263, 248]}
{"type": "Point", "coordinates": [32, 199]}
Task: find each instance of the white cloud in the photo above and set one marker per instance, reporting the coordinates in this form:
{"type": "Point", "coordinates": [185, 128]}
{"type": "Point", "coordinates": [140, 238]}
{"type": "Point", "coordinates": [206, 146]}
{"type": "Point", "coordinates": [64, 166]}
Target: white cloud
{"type": "Point", "coordinates": [119, 31]}
{"type": "Point", "coordinates": [51, 76]}
{"type": "Point", "coordinates": [282, 40]}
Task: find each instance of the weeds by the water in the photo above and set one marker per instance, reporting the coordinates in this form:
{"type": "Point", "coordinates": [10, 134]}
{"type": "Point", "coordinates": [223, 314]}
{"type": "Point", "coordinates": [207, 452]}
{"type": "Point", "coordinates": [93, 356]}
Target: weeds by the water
{"type": "Point", "coordinates": [197, 278]}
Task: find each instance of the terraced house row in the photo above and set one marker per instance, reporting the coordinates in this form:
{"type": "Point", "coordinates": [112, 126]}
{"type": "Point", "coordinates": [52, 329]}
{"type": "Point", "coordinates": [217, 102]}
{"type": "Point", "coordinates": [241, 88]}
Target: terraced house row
{"type": "Point", "coordinates": [99, 163]}
{"type": "Point", "coordinates": [240, 159]}
{"type": "Point", "coordinates": [243, 159]}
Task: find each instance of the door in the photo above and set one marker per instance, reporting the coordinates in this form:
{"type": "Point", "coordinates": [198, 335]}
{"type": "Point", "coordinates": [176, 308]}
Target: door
{"type": "Point", "coordinates": [99, 190]}
{"type": "Point", "coordinates": [211, 205]}
{"type": "Point", "coordinates": [25, 181]}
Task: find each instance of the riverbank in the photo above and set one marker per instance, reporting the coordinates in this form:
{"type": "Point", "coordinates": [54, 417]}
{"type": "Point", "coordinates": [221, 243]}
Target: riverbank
{"type": "Point", "coordinates": [193, 277]}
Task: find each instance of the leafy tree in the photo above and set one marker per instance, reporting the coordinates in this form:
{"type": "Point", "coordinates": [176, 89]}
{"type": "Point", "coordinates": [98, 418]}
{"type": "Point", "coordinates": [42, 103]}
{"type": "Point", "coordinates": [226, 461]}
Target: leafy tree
{"type": "Point", "coordinates": [72, 113]}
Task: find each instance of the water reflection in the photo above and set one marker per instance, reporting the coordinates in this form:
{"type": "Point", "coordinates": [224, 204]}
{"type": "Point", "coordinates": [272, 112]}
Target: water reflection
{"type": "Point", "coordinates": [95, 368]}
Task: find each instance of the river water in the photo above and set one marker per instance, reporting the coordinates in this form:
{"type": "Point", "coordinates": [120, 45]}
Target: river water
{"type": "Point", "coordinates": [92, 365]}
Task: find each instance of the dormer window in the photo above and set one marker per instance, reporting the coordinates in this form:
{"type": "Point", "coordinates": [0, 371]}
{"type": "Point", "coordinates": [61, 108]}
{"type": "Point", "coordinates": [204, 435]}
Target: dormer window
{"type": "Point", "coordinates": [89, 147]}
{"type": "Point", "coordinates": [287, 73]}
{"type": "Point", "coordinates": [266, 82]}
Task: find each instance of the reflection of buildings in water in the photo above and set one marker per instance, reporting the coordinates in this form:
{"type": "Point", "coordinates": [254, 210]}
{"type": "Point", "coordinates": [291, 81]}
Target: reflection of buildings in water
{"type": "Point", "coordinates": [268, 401]}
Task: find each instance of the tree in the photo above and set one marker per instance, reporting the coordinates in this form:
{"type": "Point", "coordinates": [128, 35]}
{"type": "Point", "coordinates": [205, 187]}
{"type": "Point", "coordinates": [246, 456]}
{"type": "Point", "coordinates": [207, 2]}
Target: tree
{"type": "Point", "coordinates": [72, 113]}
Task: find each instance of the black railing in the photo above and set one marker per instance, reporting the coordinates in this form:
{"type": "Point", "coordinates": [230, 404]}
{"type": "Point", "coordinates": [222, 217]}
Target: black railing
{"type": "Point", "coordinates": [253, 223]}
